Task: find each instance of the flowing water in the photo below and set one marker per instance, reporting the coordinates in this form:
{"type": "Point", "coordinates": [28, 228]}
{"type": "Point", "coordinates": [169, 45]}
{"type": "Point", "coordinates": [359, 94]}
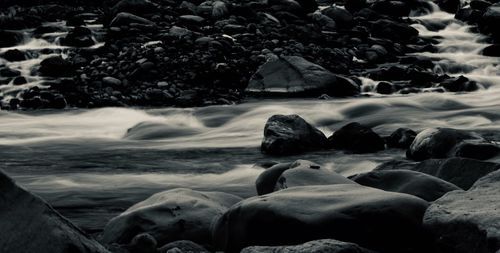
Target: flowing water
{"type": "Point", "coordinates": [87, 166]}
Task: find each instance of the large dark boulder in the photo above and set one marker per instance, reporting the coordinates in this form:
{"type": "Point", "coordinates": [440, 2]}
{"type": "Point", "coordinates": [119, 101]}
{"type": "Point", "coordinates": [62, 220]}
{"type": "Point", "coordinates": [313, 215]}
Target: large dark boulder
{"type": "Point", "coordinates": [295, 76]}
{"type": "Point", "coordinates": [461, 172]}
{"type": "Point", "coordinates": [79, 37]}
{"type": "Point", "coordinates": [448, 142]}
{"type": "Point", "coordinates": [178, 214]}
{"type": "Point", "coordinates": [299, 173]}
{"type": "Point", "coordinates": [291, 134]}
{"type": "Point", "coordinates": [29, 224]}
{"type": "Point", "coordinates": [488, 23]}
{"type": "Point", "coordinates": [375, 219]}
{"type": "Point", "coordinates": [451, 6]}
{"type": "Point", "coordinates": [468, 221]}
{"type": "Point", "coordinates": [318, 246]}
{"type": "Point", "coordinates": [392, 8]}
{"type": "Point", "coordinates": [56, 66]}
{"type": "Point", "coordinates": [492, 50]}
{"type": "Point", "coordinates": [10, 39]}
{"type": "Point", "coordinates": [398, 32]}
{"type": "Point", "coordinates": [356, 138]}
{"type": "Point", "coordinates": [415, 183]}
{"type": "Point", "coordinates": [14, 55]}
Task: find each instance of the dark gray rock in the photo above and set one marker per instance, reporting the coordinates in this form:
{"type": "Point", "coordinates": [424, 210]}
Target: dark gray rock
{"type": "Point", "coordinates": [319, 246]}
{"type": "Point", "coordinates": [356, 138]}
{"type": "Point", "coordinates": [392, 30]}
{"type": "Point", "coordinates": [10, 39]}
{"type": "Point", "coordinates": [125, 19]}
{"type": "Point", "coordinates": [401, 138]}
{"type": "Point", "coordinates": [56, 66]}
{"type": "Point", "coordinates": [183, 246]}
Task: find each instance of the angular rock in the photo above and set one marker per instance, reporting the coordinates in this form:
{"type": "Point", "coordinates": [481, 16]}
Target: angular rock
{"type": "Point", "coordinates": [418, 184]}
{"type": "Point", "coordinates": [295, 76]}
{"type": "Point", "coordinates": [468, 221]}
{"type": "Point", "coordinates": [178, 214]}
{"type": "Point", "coordinates": [298, 173]}
{"type": "Point", "coordinates": [290, 134]}
{"type": "Point", "coordinates": [375, 219]}
{"type": "Point", "coordinates": [29, 225]}
{"type": "Point", "coordinates": [319, 246]}
{"type": "Point", "coordinates": [356, 138]}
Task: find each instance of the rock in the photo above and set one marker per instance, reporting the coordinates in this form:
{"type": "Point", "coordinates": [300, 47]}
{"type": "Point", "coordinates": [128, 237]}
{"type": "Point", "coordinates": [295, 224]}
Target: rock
{"type": "Point", "coordinates": [299, 173]}
{"type": "Point", "coordinates": [125, 19]}
{"type": "Point", "coordinates": [492, 50]}
{"type": "Point", "coordinates": [14, 55]}
{"type": "Point", "coordinates": [451, 6]}
{"type": "Point", "coordinates": [34, 226]}
{"type": "Point", "coordinates": [56, 66]}
{"type": "Point", "coordinates": [489, 21]}
{"type": "Point", "coordinates": [137, 7]}
{"type": "Point", "coordinates": [341, 17]}
{"type": "Point", "coordinates": [8, 72]}
{"type": "Point", "coordinates": [375, 219]}
{"type": "Point", "coordinates": [448, 142]}
{"type": "Point", "coordinates": [79, 37]}
{"type": "Point", "coordinates": [415, 183]}
{"type": "Point", "coordinates": [143, 243]}
{"type": "Point", "coordinates": [219, 10]}
{"type": "Point", "coordinates": [319, 246]}
{"type": "Point", "coordinates": [458, 84]}
{"type": "Point", "coordinates": [391, 30]}
{"type": "Point", "coordinates": [356, 138]}
{"type": "Point", "coordinates": [290, 134]}
{"type": "Point", "coordinates": [191, 19]}
{"type": "Point", "coordinates": [111, 81]}
{"type": "Point", "coordinates": [480, 5]}
{"type": "Point", "coordinates": [468, 221]}
{"type": "Point", "coordinates": [401, 138]}
{"type": "Point", "coordinates": [149, 130]}
{"type": "Point", "coordinates": [355, 5]}
{"type": "Point", "coordinates": [308, 5]}
{"type": "Point", "coordinates": [179, 32]}
{"type": "Point", "coordinates": [293, 75]}
{"type": "Point", "coordinates": [384, 88]}
{"type": "Point", "coordinates": [20, 80]}
{"type": "Point", "coordinates": [392, 8]}
{"type": "Point", "coordinates": [178, 214]}
{"type": "Point", "coordinates": [183, 246]}
{"type": "Point", "coordinates": [461, 172]}
{"type": "Point", "coordinates": [10, 39]}
{"type": "Point", "coordinates": [468, 15]}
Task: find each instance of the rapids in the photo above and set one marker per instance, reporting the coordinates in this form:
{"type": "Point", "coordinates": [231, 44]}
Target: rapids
{"type": "Point", "coordinates": [89, 166]}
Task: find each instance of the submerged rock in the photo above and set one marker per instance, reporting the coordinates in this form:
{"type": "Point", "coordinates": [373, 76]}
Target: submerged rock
{"type": "Point", "coordinates": [356, 138]}
{"type": "Point", "coordinates": [319, 246]}
{"type": "Point", "coordinates": [468, 221]}
{"type": "Point", "coordinates": [375, 219]}
{"type": "Point", "coordinates": [178, 214]}
{"type": "Point", "coordinates": [30, 225]}
{"type": "Point", "coordinates": [291, 134]}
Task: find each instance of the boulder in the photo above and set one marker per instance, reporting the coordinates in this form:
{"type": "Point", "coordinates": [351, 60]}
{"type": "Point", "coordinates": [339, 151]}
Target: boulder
{"type": "Point", "coordinates": [191, 19]}
{"type": "Point", "coordinates": [451, 6]}
{"type": "Point", "coordinates": [489, 21]}
{"type": "Point", "coordinates": [468, 221]}
{"type": "Point", "coordinates": [492, 50]}
{"type": "Point", "coordinates": [178, 214]}
{"type": "Point", "coordinates": [10, 39]}
{"type": "Point", "coordinates": [459, 84]}
{"type": "Point", "coordinates": [184, 246]}
{"type": "Point", "coordinates": [448, 142]}
{"type": "Point", "coordinates": [111, 81]}
{"type": "Point", "coordinates": [291, 134]}
{"type": "Point", "coordinates": [219, 10]}
{"type": "Point", "coordinates": [355, 5]}
{"type": "Point", "coordinates": [415, 183]}
{"type": "Point", "coordinates": [342, 18]}
{"type": "Point", "coordinates": [375, 219]}
{"type": "Point", "coordinates": [137, 7]}
{"type": "Point", "coordinates": [319, 246]}
{"type": "Point", "coordinates": [14, 55]}
{"type": "Point", "coordinates": [295, 76]}
{"type": "Point", "coordinates": [401, 138]}
{"type": "Point", "coordinates": [29, 225]}
{"type": "Point", "coordinates": [384, 88]}
{"type": "Point", "coordinates": [8, 72]}
{"type": "Point", "coordinates": [461, 172]}
{"type": "Point", "coordinates": [298, 173]}
{"type": "Point", "coordinates": [125, 19]}
{"type": "Point", "coordinates": [308, 5]}
{"type": "Point", "coordinates": [56, 66]}
{"type": "Point", "coordinates": [356, 138]}
{"type": "Point", "coordinates": [78, 37]}
{"type": "Point", "coordinates": [398, 32]}
{"type": "Point", "coordinates": [392, 8]}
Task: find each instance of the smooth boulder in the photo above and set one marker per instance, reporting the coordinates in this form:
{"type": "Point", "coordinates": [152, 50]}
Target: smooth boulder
{"type": "Point", "coordinates": [401, 138]}
{"type": "Point", "coordinates": [126, 19]}
{"type": "Point", "coordinates": [29, 224]}
{"type": "Point", "coordinates": [415, 183]}
{"type": "Point", "coordinates": [468, 221]}
{"type": "Point", "coordinates": [323, 246]}
{"type": "Point", "coordinates": [295, 76]}
{"type": "Point", "coordinates": [398, 32]}
{"type": "Point", "coordinates": [356, 138]}
{"type": "Point", "coordinates": [177, 214]}
{"type": "Point", "coordinates": [56, 66]}
{"type": "Point", "coordinates": [375, 219]}
{"type": "Point", "coordinates": [291, 134]}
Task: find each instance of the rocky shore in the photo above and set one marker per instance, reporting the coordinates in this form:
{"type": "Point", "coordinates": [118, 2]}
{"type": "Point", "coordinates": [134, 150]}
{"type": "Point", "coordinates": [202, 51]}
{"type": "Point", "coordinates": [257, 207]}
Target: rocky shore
{"type": "Point", "coordinates": [198, 53]}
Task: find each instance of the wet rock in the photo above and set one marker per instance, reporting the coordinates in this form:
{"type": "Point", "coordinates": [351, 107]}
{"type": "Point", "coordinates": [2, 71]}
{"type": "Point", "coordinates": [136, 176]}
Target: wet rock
{"type": "Point", "coordinates": [299, 173]}
{"type": "Point", "coordinates": [126, 19]}
{"type": "Point", "coordinates": [8, 72]}
{"type": "Point", "coordinates": [308, 5]}
{"type": "Point", "coordinates": [467, 221]}
{"type": "Point", "coordinates": [178, 214]}
{"type": "Point", "coordinates": [295, 76]}
{"type": "Point", "coordinates": [346, 212]}
{"type": "Point", "coordinates": [415, 183]}
{"type": "Point", "coordinates": [461, 172]}
{"type": "Point", "coordinates": [489, 21]}
{"type": "Point", "coordinates": [184, 246]}
{"type": "Point", "coordinates": [111, 81]}
{"type": "Point", "coordinates": [20, 80]}
{"type": "Point", "coordinates": [401, 138]}
{"type": "Point", "coordinates": [137, 7]}
{"type": "Point", "coordinates": [448, 142]}
{"type": "Point", "coordinates": [468, 15]}
{"type": "Point", "coordinates": [34, 226]}
{"type": "Point", "coordinates": [154, 130]}
{"type": "Point", "coordinates": [56, 66]}
{"type": "Point", "coordinates": [480, 5]}
{"type": "Point", "coordinates": [290, 134]}
{"type": "Point", "coordinates": [384, 88]}
{"type": "Point", "coordinates": [79, 37]}
{"type": "Point", "coordinates": [355, 5]}
{"type": "Point", "coordinates": [392, 8]}
{"type": "Point", "coordinates": [191, 19]}
{"type": "Point", "coordinates": [341, 17]}
{"type": "Point", "coordinates": [451, 6]}
{"type": "Point", "coordinates": [179, 32]}
{"type": "Point", "coordinates": [323, 246]}
{"type": "Point", "coordinates": [14, 55]}
{"type": "Point", "coordinates": [492, 50]}
{"type": "Point", "coordinates": [388, 29]}
{"type": "Point", "coordinates": [10, 39]}
{"type": "Point", "coordinates": [219, 10]}
{"type": "Point", "coordinates": [356, 138]}
{"type": "Point", "coordinates": [143, 243]}
{"type": "Point", "coordinates": [458, 84]}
